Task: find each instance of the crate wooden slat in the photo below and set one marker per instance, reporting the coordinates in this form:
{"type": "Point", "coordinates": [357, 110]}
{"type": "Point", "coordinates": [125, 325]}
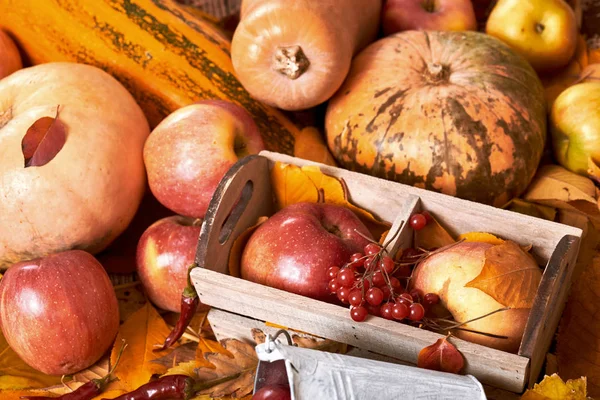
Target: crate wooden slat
{"type": "Point", "coordinates": [245, 194]}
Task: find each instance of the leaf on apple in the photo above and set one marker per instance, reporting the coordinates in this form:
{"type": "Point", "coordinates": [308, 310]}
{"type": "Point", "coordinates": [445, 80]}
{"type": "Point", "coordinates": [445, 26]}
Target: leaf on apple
{"type": "Point", "coordinates": [12, 365]}
{"type": "Point", "coordinates": [237, 248]}
{"type": "Point", "coordinates": [532, 209]}
{"type": "Point", "coordinates": [554, 388]}
{"type": "Point", "coordinates": [293, 184]}
{"type": "Point", "coordinates": [43, 140]}
{"type": "Point", "coordinates": [432, 236]}
{"type": "Point", "coordinates": [441, 356]}
{"type": "Point", "coordinates": [240, 367]}
{"type": "Point", "coordinates": [509, 275]}
{"type": "Point", "coordinates": [560, 188]}
{"type": "Point", "coordinates": [141, 331]}
{"type": "Point", "coordinates": [483, 237]}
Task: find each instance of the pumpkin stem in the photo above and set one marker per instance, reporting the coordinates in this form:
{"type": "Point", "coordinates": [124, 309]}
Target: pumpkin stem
{"type": "Point", "coordinates": [437, 72]}
{"type": "Point", "coordinates": [290, 61]}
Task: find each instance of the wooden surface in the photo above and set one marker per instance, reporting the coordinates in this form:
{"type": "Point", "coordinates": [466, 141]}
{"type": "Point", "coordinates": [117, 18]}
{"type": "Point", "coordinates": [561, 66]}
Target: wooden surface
{"type": "Point", "coordinates": [393, 203]}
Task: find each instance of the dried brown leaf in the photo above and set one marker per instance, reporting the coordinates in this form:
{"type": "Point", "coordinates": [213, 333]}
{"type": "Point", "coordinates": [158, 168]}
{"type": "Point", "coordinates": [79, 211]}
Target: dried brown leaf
{"type": "Point", "coordinates": [43, 140]}
{"type": "Point", "coordinates": [182, 354]}
{"type": "Point", "coordinates": [532, 209]}
{"type": "Point", "coordinates": [433, 236]}
{"type": "Point", "coordinates": [243, 362]}
{"type": "Point", "coordinates": [509, 275]}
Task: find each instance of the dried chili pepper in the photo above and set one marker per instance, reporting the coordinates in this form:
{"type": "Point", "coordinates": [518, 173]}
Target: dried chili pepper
{"type": "Point", "coordinates": [189, 305]}
{"type": "Point", "coordinates": [172, 387]}
{"type": "Point", "coordinates": [88, 390]}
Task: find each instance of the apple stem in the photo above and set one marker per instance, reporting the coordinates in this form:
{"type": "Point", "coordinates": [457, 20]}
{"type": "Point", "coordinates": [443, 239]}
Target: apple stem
{"type": "Point", "coordinates": [539, 28]}
{"type": "Point", "coordinates": [290, 61]}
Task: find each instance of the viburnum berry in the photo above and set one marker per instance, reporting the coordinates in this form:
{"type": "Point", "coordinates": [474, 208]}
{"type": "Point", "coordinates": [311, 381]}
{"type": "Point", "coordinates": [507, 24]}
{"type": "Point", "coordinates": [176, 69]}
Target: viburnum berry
{"type": "Point", "coordinates": [417, 295]}
{"type": "Point", "coordinates": [332, 272]}
{"type": "Point", "coordinates": [370, 263]}
{"type": "Point", "coordinates": [386, 264]}
{"type": "Point", "coordinates": [358, 313]}
{"type": "Point", "coordinates": [346, 277]}
{"type": "Point", "coordinates": [372, 248]}
{"type": "Point", "coordinates": [378, 279]}
{"type": "Point", "coordinates": [355, 297]}
{"type": "Point", "coordinates": [342, 294]}
{"type": "Point", "coordinates": [374, 296]}
{"type": "Point", "coordinates": [333, 285]}
{"type": "Point", "coordinates": [386, 310]}
{"type": "Point", "coordinates": [431, 299]}
{"type": "Point", "coordinates": [417, 312]}
{"type": "Point", "coordinates": [357, 260]}
{"type": "Point", "coordinates": [418, 222]}
{"type": "Point", "coordinates": [395, 284]}
{"type": "Point", "coordinates": [400, 311]}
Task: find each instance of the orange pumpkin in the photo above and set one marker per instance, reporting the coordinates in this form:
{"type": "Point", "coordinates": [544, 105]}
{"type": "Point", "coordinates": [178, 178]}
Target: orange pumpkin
{"type": "Point", "coordinates": [85, 195]}
{"type": "Point", "coordinates": [10, 59]}
{"type": "Point", "coordinates": [455, 112]}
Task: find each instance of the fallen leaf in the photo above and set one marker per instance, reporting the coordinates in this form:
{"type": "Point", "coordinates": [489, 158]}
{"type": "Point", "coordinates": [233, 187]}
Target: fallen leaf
{"type": "Point", "coordinates": [482, 237]}
{"type": "Point", "coordinates": [96, 371]}
{"type": "Point", "coordinates": [131, 297]}
{"type": "Point", "coordinates": [292, 184]}
{"type": "Point", "coordinates": [206, 345]}
{"type": "Point", "coordinates": [441, 356]}
{"type": "Point", "coordinates": [309, 144]}
{"type": "Point", "coordinates": [235, 253]}
{"type": "Point", "coordinates": [578, 340]}
{"type": "Point", "coordinates": [9, 382]}
{"type": "Point", "coordinates": [593, 170]}
{"type": "Point", "coordinates": [43, 140]}
{"type": "Point", "coordinates": [12, 365]}
{"type": "Point", "coordinates": [242, 364]}
{"type": "Point", "coordinates": [142, 331]}
{"type": "Point", "coordinates": [532, 209]}
{"type": "Point", "coordinates": [560, 188]}
{"type": "Point", "coordinates": [184, 368]}
{"type": "Point", "coordinates": [432, 236]}
{"type": "Point", "coordinates": [16, 394]}
{"type": "Point", "coordinates": [554, 388]}
{"type": "Point", "coordinates": [509, 275]}
{"type": "Point", "coordinates": [182, 354]}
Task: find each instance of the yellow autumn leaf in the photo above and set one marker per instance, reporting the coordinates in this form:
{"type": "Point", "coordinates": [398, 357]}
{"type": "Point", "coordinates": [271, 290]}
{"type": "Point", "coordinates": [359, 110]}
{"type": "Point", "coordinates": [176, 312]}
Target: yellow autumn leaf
{"type": "Point", "coordinates": [142, 331]}
{"type": "Point", "coordinates": [293, 184]}
{"type": "Point", "coordinates": [482, 237]}
{"type": "Point", "coordinates": [16, 394]}
{"type": "Point", "coordinates": [309, 144]}
{"type": "Point", "coordinates": [130, 297]}
{"type": "Point", "coordinates": [554, 388]}
{"type": "Point", "coordinates": [237, 248]}
{"type": "Point", "coordinates": [12, 365]}
{"type": "Point", "coordinates": [208, 346]}
{"type": "Point", "coordinates": [554, 182]}
{"type": "Point", "coordinates": [8, 382]}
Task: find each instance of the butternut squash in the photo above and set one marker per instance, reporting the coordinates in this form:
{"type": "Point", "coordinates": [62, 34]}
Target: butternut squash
{"type": "Point", "coordinates": [165, 56]}
{"type": "Point", "coordinates": [295, 54]}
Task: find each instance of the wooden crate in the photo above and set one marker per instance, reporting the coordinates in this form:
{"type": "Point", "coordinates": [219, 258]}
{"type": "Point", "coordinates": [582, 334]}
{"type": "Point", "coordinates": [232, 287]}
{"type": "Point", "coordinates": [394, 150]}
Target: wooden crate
{"type": "Point", "coordinates": [245, 193]}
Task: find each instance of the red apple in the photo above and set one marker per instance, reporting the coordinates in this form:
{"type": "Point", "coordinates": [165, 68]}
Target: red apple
{"type": "Point", "coordinates": [275, 392]}
{"type": "Point", "coordinates": [164, 253]}
{"type": "Point", "coordinates": [435, 15]}
{"type": "Point", "coordinates": [293, 249]}
{"type": "Point", "coordinates": [59, 313]}
{"type": "Point", "coordinates": [189, 152]}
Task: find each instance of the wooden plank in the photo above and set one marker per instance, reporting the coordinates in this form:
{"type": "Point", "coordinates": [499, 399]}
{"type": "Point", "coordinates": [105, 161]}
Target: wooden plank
{"type": "Point", "coordinates": [503, 370]}
{"type": "Point", "coordinates": [549, 304]}
{"type": "Point", "coordinates": [457, 215]}
{"type": "Point", "coordinates": [400, 234]}
{"type": "Point", "coordinates": [226, 218]}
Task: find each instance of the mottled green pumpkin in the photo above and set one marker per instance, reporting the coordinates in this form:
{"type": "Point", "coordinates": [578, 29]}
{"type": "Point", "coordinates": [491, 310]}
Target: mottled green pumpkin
{"type": "Point", "coordinates": [454, 112]}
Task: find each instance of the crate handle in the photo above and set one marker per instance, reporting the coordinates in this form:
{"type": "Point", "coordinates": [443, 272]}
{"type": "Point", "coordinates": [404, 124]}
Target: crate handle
{"type": "Point", "coordinates": [243, 195]}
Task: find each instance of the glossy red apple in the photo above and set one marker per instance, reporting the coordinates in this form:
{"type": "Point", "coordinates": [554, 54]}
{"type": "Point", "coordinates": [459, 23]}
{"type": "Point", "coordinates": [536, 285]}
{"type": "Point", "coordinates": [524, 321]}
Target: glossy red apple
{"type": "Point", "coordinates": [435, 15]}
{"type": "Point", "coordinates": [293, 249]}
{"type": "Point", "coordinates": [164, 253]}
{"type": "Point", "coordinates": [189, 152]}
{"type": "Point", "coordinates": [59, 313]}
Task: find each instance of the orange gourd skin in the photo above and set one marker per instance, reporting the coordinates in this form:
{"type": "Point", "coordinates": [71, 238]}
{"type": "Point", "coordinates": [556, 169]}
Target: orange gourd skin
{"type": "Point", "coordinates": [165, 56]}
{"type": "Point", "coordinates": [10, 59]}
{"type": "Point", "coordinates": [454, 112]}
{"type": "Point", "coordinates": [295, 54]}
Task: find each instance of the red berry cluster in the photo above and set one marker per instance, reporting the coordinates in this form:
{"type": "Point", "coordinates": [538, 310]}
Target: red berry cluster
{"type": "Point", "coordinates": [371, 283]}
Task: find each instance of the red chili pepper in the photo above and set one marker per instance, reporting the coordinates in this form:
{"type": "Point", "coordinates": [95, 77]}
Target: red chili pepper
{"type": "Point", "coordinates": [86, 391]}
{"type": "Point", "coordinates": [189, 305]}
{"type": "Point", "coordinates": [175, 387]}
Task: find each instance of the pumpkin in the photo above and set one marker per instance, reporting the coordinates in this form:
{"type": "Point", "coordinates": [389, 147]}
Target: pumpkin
{"type": "Point", "coordinates": [10, 59]}
{"type": "Point", "coordinates": [295, 54]}
{"type": "Point", "coordinates": [165, 56]}
{"type": "Point", "coordinates": [455, 112]}
{"type": "Point", "coordinates": [87, 194]}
